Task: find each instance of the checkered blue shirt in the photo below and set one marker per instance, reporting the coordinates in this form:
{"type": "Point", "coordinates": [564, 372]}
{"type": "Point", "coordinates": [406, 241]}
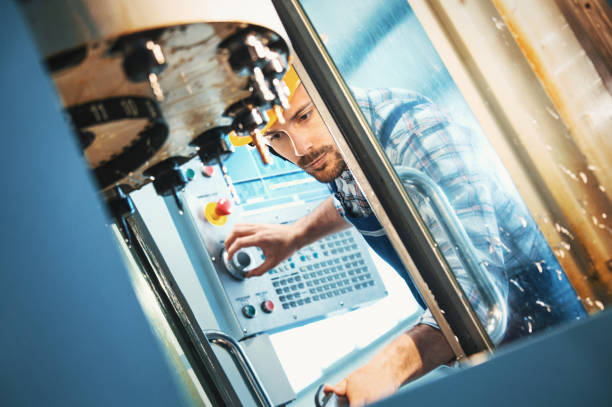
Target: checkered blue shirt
{"type": "Point", "coordinates": [423, 138]}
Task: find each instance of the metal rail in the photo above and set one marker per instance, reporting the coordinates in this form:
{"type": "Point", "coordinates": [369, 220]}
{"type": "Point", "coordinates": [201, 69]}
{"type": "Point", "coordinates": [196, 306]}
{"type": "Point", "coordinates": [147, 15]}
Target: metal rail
{"type": "Point", "coordinates": [193, 342]}
{"type": "Point", "coordinates": [242, 363]}
{"type": "Point", "coordinates": [497, 315]}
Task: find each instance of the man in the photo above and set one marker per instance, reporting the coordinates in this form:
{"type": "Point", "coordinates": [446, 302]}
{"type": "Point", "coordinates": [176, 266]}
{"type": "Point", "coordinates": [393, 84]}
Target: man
{"type": "Point", "coordinates": [415, 134]}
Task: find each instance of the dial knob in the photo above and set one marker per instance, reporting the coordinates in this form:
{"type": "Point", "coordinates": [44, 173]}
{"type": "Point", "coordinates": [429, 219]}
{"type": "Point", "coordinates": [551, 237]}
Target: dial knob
{"type": "Point", "coordinates": [238, 265]}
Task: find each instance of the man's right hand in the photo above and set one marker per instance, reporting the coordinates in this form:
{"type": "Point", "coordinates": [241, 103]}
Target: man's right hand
{"type": "Point", "coordinates": [277, 242]}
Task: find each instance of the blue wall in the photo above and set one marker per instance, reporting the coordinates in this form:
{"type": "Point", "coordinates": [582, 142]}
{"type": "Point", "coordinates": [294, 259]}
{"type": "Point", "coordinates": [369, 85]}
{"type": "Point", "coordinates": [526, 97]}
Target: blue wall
{"type": "Point", "coordinates": [72, 332]}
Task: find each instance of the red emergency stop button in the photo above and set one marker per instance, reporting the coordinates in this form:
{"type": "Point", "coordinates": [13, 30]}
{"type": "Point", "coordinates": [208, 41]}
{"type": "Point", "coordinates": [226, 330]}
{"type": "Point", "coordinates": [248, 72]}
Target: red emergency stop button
{"type": "Point", "coordinates": [217, 212]}
{"type": "Point", "coordinates": [267, 306]}
{"type": "Point", "coordinates": [223, 207]}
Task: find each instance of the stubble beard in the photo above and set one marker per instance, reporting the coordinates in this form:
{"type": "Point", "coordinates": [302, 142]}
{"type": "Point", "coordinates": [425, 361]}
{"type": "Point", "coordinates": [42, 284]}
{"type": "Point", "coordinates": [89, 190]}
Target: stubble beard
{"type": "Point", "coordinates": [334, 165]}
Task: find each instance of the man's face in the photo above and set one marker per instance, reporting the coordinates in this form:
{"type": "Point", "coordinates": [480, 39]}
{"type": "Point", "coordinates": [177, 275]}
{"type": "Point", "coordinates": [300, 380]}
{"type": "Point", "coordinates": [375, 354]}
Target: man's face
{"type": "Point", "coordinates": [305, 141]}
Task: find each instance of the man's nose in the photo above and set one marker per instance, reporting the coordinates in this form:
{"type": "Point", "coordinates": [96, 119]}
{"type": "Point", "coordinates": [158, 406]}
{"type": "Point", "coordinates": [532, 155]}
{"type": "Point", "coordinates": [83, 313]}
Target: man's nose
{"type": "Point", "coordinates": [301, 144]}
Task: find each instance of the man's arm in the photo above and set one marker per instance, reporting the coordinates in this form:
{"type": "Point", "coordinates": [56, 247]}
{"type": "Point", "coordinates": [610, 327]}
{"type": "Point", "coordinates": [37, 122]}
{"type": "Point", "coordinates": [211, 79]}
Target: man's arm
{"type": "Point", "coordinates": [280, 241]}
{"type": "Point", "coordinates": [411, 355]}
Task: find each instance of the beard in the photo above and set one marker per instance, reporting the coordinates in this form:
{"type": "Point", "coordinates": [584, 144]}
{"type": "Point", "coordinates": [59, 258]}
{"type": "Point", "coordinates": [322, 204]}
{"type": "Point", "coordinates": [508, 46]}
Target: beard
{"type": "Point", "coordinates": [333, 167]}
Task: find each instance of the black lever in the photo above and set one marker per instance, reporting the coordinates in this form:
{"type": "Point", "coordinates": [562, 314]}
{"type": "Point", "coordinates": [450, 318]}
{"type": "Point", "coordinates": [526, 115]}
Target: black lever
{"type": "Point", "coordinates": [323, 399]}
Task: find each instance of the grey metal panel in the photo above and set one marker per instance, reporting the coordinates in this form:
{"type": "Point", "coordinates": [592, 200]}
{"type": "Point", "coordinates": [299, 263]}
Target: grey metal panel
{"type": "Point", "coordinates": [72, 333]}
{"type": "Point", "coordinates": [343, 260]}
{"type": "Point", "coordinates": [262, 355]}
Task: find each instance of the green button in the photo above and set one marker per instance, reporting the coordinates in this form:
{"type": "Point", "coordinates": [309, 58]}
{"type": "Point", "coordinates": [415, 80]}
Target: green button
{"type": "Point", "coordinates": [249, 311]}
{"type": "Point", "coordinates": [190, 174]}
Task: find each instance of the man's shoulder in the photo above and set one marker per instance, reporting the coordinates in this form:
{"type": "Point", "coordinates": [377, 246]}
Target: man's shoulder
{"type": "Point", "coordinates": [375, 97]}
{"type": "Point", "coordinates": [378, 104]}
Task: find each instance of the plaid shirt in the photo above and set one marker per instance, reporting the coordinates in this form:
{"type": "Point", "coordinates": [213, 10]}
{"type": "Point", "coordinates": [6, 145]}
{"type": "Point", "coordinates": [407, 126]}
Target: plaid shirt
{"type": "Point", "coordinates": [423, 138]}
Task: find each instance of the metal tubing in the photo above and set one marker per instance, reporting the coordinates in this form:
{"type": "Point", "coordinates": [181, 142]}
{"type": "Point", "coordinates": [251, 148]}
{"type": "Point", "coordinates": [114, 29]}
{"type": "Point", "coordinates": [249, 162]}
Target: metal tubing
{"type": "Point", "coordinates": [414, 238]}
{"type": "Point", "coordinates": [497, 315]}
{"type": "Point", "coordinates": [242, 363]}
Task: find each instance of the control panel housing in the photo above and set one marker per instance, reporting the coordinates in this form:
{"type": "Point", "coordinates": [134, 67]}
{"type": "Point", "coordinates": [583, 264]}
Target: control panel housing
{"type": "Point", "coordinates": [332, 275]}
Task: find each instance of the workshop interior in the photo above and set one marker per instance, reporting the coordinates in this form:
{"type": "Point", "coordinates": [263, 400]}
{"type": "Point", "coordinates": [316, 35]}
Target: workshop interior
{"type": "Point", "coordinates": [136, 142]}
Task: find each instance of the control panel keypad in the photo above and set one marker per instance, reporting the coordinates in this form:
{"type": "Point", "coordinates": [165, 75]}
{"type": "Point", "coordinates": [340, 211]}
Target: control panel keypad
{"type": "Point", "coordinates": [341, 270]}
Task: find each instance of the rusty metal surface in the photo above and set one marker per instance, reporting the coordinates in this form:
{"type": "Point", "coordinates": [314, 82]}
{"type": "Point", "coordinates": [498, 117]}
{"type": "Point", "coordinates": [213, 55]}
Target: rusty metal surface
{"type": "Point", "coordinates": [591, 21]}
{"type": "Point", "coordinates": [197, 86]}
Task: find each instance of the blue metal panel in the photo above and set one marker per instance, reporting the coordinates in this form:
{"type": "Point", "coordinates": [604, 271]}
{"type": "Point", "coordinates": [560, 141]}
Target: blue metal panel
{"type": "Point", "coordinates": [72, 332]}
{"type": "Point", "coordinates": [571, 366]}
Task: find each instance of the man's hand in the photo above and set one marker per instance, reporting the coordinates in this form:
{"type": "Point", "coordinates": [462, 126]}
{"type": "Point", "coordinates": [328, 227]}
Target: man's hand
{"type": "Point", "coordinates": [276, 241]}
{"type": "Point", "coordinates": [407, 357]}
{"type": "Point", "coordinates": [367, 384]}
{"type": "Point", "coordinates": [280, 241]}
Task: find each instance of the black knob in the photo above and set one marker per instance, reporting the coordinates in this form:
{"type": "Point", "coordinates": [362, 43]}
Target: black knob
{"type": "Point", "coordinates": [141, 59]}
{"type": "Point", "coordinates": [243, 259]}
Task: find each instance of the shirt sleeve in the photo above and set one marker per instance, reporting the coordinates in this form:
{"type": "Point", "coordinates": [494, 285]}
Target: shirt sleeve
{"type": "Point", "coordinates": [337, 204]}
{"type": "Point", "coordinates": [428, 319]}
{"type": "Point", "coordinates": [424, 138]}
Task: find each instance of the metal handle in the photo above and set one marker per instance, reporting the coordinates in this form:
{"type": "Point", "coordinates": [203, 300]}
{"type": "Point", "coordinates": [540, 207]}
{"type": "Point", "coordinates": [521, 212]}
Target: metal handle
{"type": "Point", "coordinates": [242, 363]}
{"type": "Point", "coordinates": [497, 315]}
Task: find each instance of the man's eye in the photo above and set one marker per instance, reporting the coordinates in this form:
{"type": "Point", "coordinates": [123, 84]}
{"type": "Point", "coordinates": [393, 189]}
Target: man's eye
{"type": "Point", "coordinates": [274, 136]}
{"type": "Point", "coordinates": [305, 116]}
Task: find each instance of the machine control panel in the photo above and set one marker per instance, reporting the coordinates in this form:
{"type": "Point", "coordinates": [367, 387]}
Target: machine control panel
{"type": "Point", "coordinates": [332, 275]}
